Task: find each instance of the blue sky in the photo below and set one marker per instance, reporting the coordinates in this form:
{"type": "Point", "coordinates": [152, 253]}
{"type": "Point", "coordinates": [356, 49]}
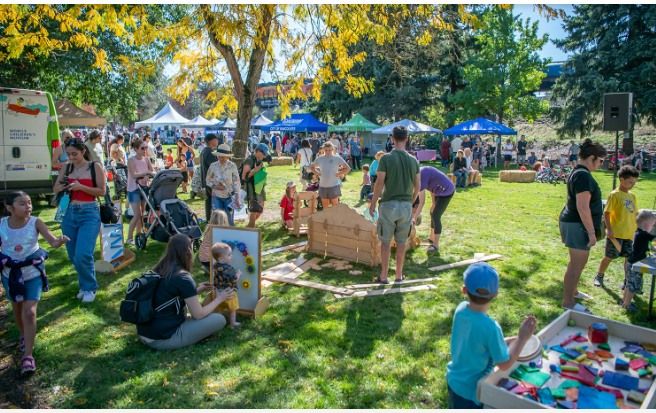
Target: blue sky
{"type": "Point", "coordinates": [553, 28]}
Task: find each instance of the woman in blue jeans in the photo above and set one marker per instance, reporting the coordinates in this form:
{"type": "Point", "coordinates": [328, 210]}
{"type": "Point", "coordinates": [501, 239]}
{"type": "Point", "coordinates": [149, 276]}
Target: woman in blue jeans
{"type": "Point", "coordinates": [82, 219]}
{"type": "Point", "coordinates": [460, 169]}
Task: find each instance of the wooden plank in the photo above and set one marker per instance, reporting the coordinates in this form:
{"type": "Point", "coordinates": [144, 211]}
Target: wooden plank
{"type": "Point", "coordinates": [387, 291]}
{"type": "Point", "coordinates": [429, 279]}
{"type": "Point", "coordinates": [285, 248]}
{"type": "Point", "coordinates": [350, 232]}
{"type": "Point", "coordinates": [309, 284]}
{"type": "Point", "coordinates": [465, 262]}
{"type": "Point", "coordinates": [361, 245]}
{"type": "Point", "coordinates": [344, 253]}
{"type": "Point", "coordinates": [394, 283]}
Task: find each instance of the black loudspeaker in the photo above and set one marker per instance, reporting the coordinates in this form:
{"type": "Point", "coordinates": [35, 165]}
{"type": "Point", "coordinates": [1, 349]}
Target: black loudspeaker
{"type": "Point", "coordinates": [617, 111]}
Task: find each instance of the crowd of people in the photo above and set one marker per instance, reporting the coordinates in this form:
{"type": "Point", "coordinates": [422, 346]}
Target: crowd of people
{"type": "Point", "coordinates": [395, 186]}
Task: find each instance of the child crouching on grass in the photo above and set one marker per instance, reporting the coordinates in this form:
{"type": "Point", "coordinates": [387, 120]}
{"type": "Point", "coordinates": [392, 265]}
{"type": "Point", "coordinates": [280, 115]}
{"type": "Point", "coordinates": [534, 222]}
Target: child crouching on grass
{"type": "Point", "coordinates": [643, 236]}
{"type": "Point", "coordinates": [23, 269]}
{"type": "Point", "coordinates": [477, 343]}
{"type": "Point", "coordinates": [287, 205]}
{"type": "Point", "coordinates": [225, 277]}
{"type": "Point", "coordinates": [220, 218]}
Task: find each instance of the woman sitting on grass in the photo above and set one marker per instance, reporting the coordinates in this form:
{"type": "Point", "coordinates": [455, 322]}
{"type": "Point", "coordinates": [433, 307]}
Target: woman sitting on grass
{"type": "Point", "coordinates": [170, 328]}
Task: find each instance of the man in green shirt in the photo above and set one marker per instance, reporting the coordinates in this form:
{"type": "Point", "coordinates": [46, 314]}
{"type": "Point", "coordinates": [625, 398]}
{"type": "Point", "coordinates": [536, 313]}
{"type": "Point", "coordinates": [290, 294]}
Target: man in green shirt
{"type": "Point", "coordinates": [398, 182]}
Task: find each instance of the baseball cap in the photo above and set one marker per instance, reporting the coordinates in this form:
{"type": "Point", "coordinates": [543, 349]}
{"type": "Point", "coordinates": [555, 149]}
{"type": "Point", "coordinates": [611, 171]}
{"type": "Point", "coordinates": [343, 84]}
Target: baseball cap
{"type": "Point", "coordinates": [291, 184]}
{"type": "Point", "coordinates": [262, 148]}
{"type": "Point", "coordinates": [482, 280]}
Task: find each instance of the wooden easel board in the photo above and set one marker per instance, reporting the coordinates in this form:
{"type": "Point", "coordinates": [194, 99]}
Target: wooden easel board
{"type": "Point", "coordinates": [249, 288]}
{"type": "Point", "coordinates": [113, 254]}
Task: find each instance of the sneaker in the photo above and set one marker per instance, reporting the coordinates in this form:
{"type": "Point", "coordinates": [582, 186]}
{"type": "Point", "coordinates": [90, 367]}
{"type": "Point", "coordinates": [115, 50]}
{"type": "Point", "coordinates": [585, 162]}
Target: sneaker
{"type": "Point", "coordinates": [28, 365]}
{"type": "Point", "coordinates": [130, 242]}
{"type": "Point", "coordinates": [599, 280]}
{"type": "Point", "coordinates": [80, 294]}
{"type": "Point", "coordinates": [632, 308]}
{"type": "Point", "coordinates": [88, 296]}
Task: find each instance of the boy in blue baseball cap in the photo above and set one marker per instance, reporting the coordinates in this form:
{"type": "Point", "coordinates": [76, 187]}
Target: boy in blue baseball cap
{"type": "Point", "coordinates": [477, 343]}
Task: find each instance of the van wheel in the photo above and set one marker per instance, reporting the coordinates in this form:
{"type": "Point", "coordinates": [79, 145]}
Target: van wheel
{"type": "Point", "coordinates": [140, 241]}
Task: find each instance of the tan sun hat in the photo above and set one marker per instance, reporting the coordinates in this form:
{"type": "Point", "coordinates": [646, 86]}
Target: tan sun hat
{"type": "Point", "coordinates": [224, 150]}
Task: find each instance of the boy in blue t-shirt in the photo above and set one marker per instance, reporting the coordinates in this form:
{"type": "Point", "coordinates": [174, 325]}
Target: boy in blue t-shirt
{"type": "Point", "coordinates": [477, 343]}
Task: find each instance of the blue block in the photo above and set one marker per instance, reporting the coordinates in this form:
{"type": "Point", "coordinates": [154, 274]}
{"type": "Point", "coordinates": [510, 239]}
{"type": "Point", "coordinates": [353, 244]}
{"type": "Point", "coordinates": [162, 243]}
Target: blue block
{"type": "Point", "coordinates": [572, 353]}
{"type": "Point", "coordinates": [590, 398]}
{"type": "Point", "coordinates": [631, 348]}
{"type": "Point", "coordinates": [621, 364]}
{"type": "Point", "coordinates": [546, 397]}
{"type": "Point", "coordinates": [566, 404]}
{"type": "Point", "coordinates": [554, 368]}
{"type": "Point", "coordinates": [621, 381]}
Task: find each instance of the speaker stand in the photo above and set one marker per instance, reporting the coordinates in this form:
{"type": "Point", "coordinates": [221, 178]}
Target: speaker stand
{"type": "Point", "coordinates": [617, 158]}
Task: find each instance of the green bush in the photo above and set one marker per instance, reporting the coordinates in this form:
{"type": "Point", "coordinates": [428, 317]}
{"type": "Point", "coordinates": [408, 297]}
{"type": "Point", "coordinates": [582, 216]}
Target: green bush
{"type": "Point", "coordinates": [433, 142]}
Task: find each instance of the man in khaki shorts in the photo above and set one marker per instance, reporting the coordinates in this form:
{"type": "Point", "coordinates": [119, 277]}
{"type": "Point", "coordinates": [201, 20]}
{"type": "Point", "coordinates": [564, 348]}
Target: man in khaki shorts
{"type": "Point", "coordinates": [398, 182]}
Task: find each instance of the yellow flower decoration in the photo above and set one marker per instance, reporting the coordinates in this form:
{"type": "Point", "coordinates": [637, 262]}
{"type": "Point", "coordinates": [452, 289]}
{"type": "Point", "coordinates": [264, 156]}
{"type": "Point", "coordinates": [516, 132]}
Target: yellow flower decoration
{"type": "Point", "coordinates": [245, 284]}
{"type": "Point", "coordinates": [249, 260]}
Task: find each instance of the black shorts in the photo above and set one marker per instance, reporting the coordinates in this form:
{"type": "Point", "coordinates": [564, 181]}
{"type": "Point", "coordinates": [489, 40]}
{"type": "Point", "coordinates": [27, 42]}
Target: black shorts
{"type": "Point", "coordinates": [185, 176]}
{"type": "Point", "coordinates": [573, 158]}
{"type": "Point", "coordinates": [507, 158]}
{"type": "Point", "coordinates": [626, 246]}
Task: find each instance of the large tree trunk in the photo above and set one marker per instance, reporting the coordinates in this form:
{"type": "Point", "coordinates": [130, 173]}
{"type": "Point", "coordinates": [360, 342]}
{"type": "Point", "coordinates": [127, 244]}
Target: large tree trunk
{"type": "Point", "coordinates": [244, 116]}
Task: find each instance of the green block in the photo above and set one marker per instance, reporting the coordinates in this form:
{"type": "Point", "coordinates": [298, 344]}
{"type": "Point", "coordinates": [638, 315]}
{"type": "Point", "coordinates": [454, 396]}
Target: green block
{"type": "Point", "coordinates": [568, 384]}
{"type": "Point", "coordinates": [643, 372]}
{"type": "Point", "coordinates": [652, 360]}
{"type": "Point", "coordinates": [604, 346]}
{"type": "Point", "coordinates": [632, 356]}
{"type": "Point", "coordinates": [558, 393]}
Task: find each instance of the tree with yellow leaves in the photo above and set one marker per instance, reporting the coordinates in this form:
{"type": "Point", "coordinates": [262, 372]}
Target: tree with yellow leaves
{"type": "Point", "coordinates": [231, 42]}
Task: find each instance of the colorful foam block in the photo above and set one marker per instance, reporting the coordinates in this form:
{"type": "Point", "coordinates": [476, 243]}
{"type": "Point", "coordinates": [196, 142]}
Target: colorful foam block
{"type": "Point", "coordinates": [643, 372]}
{"type": "Point", "coordinates": [554, 368]}
{"type": "Point", "coordinates": [566, 404]}
{"type": "Point", "coordinates": [635, 397]}
{"type": "Point", "coordinates": [507, 384]}
{"type": "Point", "coordinates": [631, 348]}
{"type": "Point", "coordinates": [621, 365]}
{"type": "Point", "coordinates": [581, 358]}
{"type": "Point", "coordinates": [558, 393]}
{"type": "Point", "coordinates": [545, 397]}
{"type": "Point", "coordinates": [637, 364]}
{"type": "Point", "coordinates": [648, 346]}
{"type": "Point", "coordinates": [590, 398]}
{"type": "Point", "coordinates": [604, 346]}
{"type": "Point", "coordinates": [573, 369]}
{"type": "Point", "coordinates": [620, 380]}
{"type": "Point", "coordinates": [604, 354]}
{"type": "Point", "coordinates": [569, 384]}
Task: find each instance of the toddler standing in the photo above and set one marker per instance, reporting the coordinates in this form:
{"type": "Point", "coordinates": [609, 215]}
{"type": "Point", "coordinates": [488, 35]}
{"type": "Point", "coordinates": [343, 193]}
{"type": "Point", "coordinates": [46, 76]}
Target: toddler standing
{"type": "Point", "coordinates": [643, 236]}
{"type": "Point", "coordinates": [23, 269]}
{"type": "Point", "coordinates": [287, 205]}
{"type": "Point", "coordinates": [225, 277]}
{"type": "Point", "coordinates": [366, 182]}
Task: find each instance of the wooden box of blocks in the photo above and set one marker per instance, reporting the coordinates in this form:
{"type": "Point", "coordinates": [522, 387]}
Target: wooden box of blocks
{"type": "Point", "coordinates": [560, 381]}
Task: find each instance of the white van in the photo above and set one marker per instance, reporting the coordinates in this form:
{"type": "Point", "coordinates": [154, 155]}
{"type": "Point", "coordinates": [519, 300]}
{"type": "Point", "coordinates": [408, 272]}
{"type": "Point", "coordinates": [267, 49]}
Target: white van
{"type": "Point", "coordinates": [29, 131]}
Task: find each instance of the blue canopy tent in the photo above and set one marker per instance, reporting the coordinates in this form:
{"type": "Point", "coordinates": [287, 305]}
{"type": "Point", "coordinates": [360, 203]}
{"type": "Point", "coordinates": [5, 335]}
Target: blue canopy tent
{"type": "Point", "coordinates": [298, 122]}
{"type": "Point", "coordinates": [479, 126]}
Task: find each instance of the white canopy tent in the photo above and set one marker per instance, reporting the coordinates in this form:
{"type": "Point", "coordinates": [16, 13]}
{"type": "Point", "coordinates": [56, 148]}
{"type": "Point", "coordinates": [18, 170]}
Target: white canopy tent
{"type": "Point", "coordinates": [228, 124]}
{"type": "Point", "coordinates": [198, 122]}
{"type": "Point", "coordinates": [165, 117]}
{"type": "Point", "coordinates": [412, 127]}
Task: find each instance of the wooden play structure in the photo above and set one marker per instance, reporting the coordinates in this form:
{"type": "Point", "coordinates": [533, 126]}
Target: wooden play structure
{"type": "Point", "coordinates": [342, 232]}
{"type": "Point", "coordinates": [302, 213]}
{"type": "Point", "coordinates": [517, 176]}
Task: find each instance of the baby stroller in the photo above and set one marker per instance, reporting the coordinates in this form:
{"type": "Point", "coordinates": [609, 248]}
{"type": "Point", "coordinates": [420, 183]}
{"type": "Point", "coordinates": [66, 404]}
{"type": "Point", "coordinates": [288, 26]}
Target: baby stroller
{"type": "Point", "coordinates": [165, 214]}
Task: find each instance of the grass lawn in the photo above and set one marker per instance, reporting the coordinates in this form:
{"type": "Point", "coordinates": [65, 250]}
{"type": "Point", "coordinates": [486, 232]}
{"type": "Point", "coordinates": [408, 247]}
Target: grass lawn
{"type": "Point", "coordinates": [311, 350]}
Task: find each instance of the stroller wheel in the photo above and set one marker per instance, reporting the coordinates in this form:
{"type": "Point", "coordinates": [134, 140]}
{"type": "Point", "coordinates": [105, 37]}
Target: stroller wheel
{"type": "Point", "coordinates": [140, 241]}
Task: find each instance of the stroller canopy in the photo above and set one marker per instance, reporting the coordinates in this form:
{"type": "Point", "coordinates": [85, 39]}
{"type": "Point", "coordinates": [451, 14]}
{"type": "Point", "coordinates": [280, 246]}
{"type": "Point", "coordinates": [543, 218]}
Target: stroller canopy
{"type": "Point", "coordinates": [165, 185]}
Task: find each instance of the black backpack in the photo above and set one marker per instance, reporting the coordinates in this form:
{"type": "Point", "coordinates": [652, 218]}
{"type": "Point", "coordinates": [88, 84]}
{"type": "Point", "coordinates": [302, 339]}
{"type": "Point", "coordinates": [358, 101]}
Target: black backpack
{"type": "Point", "coordinates": [240, 171]}
{"type": "Point", "coordinates": [137, 307]}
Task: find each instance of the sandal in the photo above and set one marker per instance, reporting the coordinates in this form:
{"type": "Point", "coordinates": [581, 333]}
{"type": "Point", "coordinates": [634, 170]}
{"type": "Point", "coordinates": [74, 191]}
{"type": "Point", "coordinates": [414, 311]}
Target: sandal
{"type": "Point", "coordinates": [580, 308]}
{"type": "Point", "coordinates": [28, 365]}
{"type": "Point", "coordinates": [379, 281]}
{"type": "Point", "coordinates": [432, 248]}
{"type": "Point", "coordinates": [402, 278]}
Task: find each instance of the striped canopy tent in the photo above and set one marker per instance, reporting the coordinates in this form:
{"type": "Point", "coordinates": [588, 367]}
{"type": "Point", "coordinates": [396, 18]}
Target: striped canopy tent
{"type": "Point", "coordinates": [357, 123]}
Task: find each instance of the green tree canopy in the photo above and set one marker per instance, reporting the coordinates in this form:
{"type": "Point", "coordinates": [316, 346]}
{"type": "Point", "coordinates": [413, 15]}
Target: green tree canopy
{"type": "Point", "coordinates": [613, 49]}
{"type": "Point", "coordinates": [504, 70]}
